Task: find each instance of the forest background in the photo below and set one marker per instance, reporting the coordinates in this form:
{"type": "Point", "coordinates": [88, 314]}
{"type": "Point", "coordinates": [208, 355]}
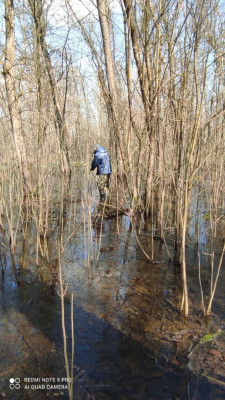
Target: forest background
{"type": "Point", "coordinates": [145, 79]}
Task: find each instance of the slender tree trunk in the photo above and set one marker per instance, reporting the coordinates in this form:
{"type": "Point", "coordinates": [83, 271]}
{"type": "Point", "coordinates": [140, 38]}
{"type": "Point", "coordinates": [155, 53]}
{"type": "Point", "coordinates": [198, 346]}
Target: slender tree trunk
{"type": "Point", "coordinates": [133, 172]}
{"type": "Point", "coordinates": [138, 60]}
{"type": "Point", "coordinates": [12, 98]}
{"type": "Point", "coordinates": [37, 12]}
{"type": "Point", "coordinates": [103, 12]}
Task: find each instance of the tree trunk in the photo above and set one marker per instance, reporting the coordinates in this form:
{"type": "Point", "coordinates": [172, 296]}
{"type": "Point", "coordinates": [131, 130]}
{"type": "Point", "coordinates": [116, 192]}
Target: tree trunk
{"type": "Point", "coordinates": [37, 13]}
{"type": "Point", "coordinates": [12, 98]}
{"type": "Point", "coordinates": [103, 12]}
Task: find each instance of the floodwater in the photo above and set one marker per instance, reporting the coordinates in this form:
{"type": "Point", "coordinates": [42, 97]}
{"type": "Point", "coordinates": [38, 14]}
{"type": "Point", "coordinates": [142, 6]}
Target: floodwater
{"type": "Point", "coordinates": [131, 342]}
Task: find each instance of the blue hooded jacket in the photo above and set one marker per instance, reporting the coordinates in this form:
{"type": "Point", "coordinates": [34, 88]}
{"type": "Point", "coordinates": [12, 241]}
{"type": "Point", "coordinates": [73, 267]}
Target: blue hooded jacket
{"type": "Point", "coordinates": [101, 161]}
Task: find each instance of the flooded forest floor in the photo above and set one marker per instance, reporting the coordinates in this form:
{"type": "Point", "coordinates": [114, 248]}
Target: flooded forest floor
{"type": "Point", "coordinates": [131, 340]}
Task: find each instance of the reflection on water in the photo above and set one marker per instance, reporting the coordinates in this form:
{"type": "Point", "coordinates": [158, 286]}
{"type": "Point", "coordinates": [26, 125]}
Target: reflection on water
{"type": "Point", "coordinates": [129, 334]}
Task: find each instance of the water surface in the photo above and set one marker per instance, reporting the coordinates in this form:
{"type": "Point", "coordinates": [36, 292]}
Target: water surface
{"type": "Point", "coordinates": [131, 341]}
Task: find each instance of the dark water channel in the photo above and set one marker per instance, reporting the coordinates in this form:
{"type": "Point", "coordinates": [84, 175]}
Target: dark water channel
{"type": "Point", "coordinates": [131, 341]}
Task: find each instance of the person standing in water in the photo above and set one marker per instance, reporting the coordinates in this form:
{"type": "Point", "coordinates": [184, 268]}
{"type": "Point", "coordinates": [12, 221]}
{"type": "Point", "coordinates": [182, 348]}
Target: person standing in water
{"type": "Point", "coordinates": [102, 162]}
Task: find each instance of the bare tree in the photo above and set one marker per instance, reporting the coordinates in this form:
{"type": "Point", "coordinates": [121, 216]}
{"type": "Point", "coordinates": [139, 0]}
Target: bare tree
{"type": "Point", "coordinates": [36, 7]}
{"type": "Point", "coordinates": [12, 96]}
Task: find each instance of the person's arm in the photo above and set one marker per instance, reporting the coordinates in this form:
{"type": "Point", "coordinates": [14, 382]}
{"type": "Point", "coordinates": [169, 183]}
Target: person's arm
{"type": "Point", "coordinates": [94, 163]}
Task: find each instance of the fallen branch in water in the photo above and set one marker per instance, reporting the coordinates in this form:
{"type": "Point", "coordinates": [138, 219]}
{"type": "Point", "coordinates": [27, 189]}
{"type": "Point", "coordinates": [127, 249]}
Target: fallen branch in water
{"type": "Point", "coordinates": [214, 380]}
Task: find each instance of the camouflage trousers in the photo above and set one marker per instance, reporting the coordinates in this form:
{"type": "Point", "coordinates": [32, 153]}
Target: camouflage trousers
{"type": "Point", "coordinates": [103, 185]}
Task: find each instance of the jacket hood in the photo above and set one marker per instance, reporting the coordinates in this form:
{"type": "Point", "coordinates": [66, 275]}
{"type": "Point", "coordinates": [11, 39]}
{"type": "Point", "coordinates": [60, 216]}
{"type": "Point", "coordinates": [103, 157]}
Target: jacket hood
{"type": "Point", "coordinates": [100, 149]}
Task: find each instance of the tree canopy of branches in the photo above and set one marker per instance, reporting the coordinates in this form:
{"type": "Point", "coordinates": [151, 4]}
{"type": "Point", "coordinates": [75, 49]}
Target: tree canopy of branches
{"type": "Point", "coordinates": [144, 77]}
